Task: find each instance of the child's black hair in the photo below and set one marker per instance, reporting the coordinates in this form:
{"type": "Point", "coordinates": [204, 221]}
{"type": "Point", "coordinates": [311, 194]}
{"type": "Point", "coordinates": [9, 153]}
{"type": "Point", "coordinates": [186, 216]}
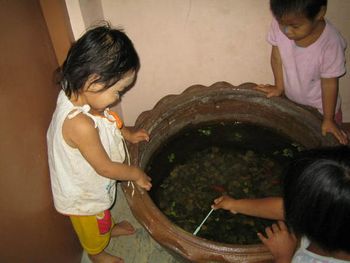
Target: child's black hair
{"type": "Point", "coordinates": [307, 8]}
{"type": "Point", "coordinates": [102, 52]}
{"type": "Point", "coordinates": [317, 197]}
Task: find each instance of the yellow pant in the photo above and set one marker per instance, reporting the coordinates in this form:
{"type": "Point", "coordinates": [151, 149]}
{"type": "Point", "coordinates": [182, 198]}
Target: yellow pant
{"type": "Point", "coordinates": [89, 233]}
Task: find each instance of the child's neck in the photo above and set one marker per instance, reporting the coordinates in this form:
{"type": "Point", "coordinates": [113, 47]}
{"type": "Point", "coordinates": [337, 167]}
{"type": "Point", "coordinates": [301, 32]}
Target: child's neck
{"type": "Point", "coordinates": [341, 255]}
{"type": "Point", "coordinates": [314, 36]}
{"type": "Point", "coordinates": [80, 101]}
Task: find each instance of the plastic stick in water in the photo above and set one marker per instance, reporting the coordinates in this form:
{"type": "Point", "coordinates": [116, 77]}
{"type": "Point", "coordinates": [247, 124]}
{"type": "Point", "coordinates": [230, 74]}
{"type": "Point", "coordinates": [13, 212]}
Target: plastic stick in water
{"type": "Point", "coordinates": [205, 219]}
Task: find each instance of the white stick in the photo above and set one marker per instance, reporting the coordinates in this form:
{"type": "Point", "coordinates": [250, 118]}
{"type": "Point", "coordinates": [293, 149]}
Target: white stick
{"type": "Point", "coordinates": [205, 219]}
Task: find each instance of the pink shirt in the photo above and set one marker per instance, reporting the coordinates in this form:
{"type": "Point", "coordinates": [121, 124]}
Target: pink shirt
{"type": "Point", "coordinates": [303, 67]}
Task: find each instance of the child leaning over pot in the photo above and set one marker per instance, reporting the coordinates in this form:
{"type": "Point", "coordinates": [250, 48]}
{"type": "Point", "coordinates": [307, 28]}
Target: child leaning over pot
{"type": "Point", "coordinates": [307, 59]}
{"type": "Point", "coordinates": [315, 206]}
{"type": "Point", "coordinates": [86, 140]}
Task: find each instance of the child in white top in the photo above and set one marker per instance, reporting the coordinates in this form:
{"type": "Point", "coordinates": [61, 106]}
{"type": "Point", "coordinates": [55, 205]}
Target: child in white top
{"type": "Point", "coordinates": [307, 59]}
{"type": "Point", "coordinates": [315, 205]}
{"type": "Point", "coordinates": [86, 140]}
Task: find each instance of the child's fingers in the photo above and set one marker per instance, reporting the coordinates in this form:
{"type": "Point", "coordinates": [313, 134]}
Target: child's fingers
{"type": "Point", "coordinates": [344, 137]}
{"type": "Point", "coordinates": [147, 186]}
{"type": "Point", "coordinates": [262, 88]}
{"type": "Point", "coordinates": [294, 237]}
{"type": "Point", "coordinates": [275, 228]}
{"type": "Point", "coordinates": [282, 225]}
{"type": "Point", "coordinates": [267, 89]}
{"type": "Point", "coordinates": [340, 136]}
{"type": "Point", "coordinates": [218, 200]}
{"type": "Point", "coordinates": [262, 238]}
{"type": "Point", "coordinates": [269, 232]}
{"type": "Point", "coordinates": [270, 94]}
{"type": "Point", "coordinates": [143, 135]}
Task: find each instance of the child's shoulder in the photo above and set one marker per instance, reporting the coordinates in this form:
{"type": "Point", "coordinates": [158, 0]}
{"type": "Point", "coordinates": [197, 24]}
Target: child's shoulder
{"type": "Point", "coordinates": [332, 35]}
{"type": "Point", "coordinates": [81, 126]}
{"type": "Point", "coordinates": [79, 122]}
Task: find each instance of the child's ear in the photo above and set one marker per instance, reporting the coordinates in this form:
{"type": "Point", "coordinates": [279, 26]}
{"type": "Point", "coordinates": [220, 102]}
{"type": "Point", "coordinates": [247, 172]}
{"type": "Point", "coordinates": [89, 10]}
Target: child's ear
{"type": "Point", "coordinates": [321, 14]}
{"type": "Point", "coordinates": [90, 81]}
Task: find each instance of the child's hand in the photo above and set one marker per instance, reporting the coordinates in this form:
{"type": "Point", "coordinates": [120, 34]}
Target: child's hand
{"type": "Point", "coordinates": [139, 136]}
{"type": "Point", "coordinates": [328, 126]}
{"type": "Point", "coordinates": [270, 90]}
{"type": "Point", "coordinates": [135, 136]}
{"type": "Point", "coordinates": [280, 242]}
{"type": "Point", "coordinates": [224, 202]}
{"type": "Point", "coordinates": [144, 181]}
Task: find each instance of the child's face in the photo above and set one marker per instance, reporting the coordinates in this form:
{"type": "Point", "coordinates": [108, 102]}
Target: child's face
{"type": "Point", "coordinates": [100, 99]}
{"type": "Point", "coordinates": [297, 27]}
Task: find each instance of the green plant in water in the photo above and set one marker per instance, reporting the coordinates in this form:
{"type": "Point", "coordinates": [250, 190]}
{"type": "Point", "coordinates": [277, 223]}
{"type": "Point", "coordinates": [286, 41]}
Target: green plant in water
{"type": "Point", "coordinates": [287, 152]}
{"type": "Point", "coordinates": [171, 157]}
{"type": "Point", "coordinates": [237, 136]}
{"type": "Point", "coordinates": [206, 132]}
{"type": "Point", "coordinates": [172, 211]}
{"type": "Point", "coordinates": [197, 175]}
{"type": "Point", "coordinates": [298, 146]}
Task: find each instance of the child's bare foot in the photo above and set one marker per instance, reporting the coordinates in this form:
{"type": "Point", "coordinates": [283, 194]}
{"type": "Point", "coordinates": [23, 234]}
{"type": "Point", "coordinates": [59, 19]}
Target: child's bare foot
{"type": "Point", "coordinates": [104, 257]}
{"type": "Point", "coordinates": [123, 228]}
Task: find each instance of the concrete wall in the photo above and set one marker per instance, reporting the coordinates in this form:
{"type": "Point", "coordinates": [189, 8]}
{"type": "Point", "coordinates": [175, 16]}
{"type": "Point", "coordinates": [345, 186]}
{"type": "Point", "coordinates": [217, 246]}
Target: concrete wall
{"type": "Point", "coordinates": [186, 42]}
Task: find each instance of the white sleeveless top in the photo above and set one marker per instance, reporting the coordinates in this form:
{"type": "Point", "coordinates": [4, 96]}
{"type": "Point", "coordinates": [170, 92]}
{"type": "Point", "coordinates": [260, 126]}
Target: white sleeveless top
{"type": "Point", "coordinates": [302, 255]}
{"type": "Point", "coordinates": [77, 188]}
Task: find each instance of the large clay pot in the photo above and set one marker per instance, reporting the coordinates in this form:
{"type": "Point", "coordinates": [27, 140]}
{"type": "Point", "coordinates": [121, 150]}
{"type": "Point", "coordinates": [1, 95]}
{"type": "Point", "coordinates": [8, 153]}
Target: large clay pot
{"type": "Point", "coordinates": [196, 105]}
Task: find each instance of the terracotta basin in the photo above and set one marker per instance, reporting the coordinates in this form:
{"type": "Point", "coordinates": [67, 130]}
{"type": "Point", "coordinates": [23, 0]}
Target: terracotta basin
{"type": "Point", "coordinates": [198, 104]}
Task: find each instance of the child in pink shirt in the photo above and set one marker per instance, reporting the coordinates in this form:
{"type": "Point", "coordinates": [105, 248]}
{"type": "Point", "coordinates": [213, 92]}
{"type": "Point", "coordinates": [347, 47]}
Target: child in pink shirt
{"type": "Point", "coordinates": [307, 59]}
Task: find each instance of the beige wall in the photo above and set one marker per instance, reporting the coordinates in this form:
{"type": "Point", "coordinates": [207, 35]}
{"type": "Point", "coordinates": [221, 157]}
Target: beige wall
{"type": "Point", "coordinates": [186, 42]}
{"type": "Point", "coordinates": [338, 14]}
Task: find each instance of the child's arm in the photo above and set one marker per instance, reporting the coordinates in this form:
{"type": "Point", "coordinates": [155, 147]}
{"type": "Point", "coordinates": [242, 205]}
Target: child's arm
{"type": "Point", "coordinates": [269, 207]}
{"type": "Point", "coordinates": [276, 64]}
{"type": "Point", "coordinates": [135, 136]}
{"type": "Point", "coordinates": [280, 242]}
{"type": "Point", "coordinates": [80, 133]}
{"type": "Point", "coordinates": [329, 101]}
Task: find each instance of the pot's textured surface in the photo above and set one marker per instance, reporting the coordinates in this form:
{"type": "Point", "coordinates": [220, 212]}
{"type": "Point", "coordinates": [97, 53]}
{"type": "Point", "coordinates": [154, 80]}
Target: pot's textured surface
{"type": "Point", "coordinates": [196, 105]}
